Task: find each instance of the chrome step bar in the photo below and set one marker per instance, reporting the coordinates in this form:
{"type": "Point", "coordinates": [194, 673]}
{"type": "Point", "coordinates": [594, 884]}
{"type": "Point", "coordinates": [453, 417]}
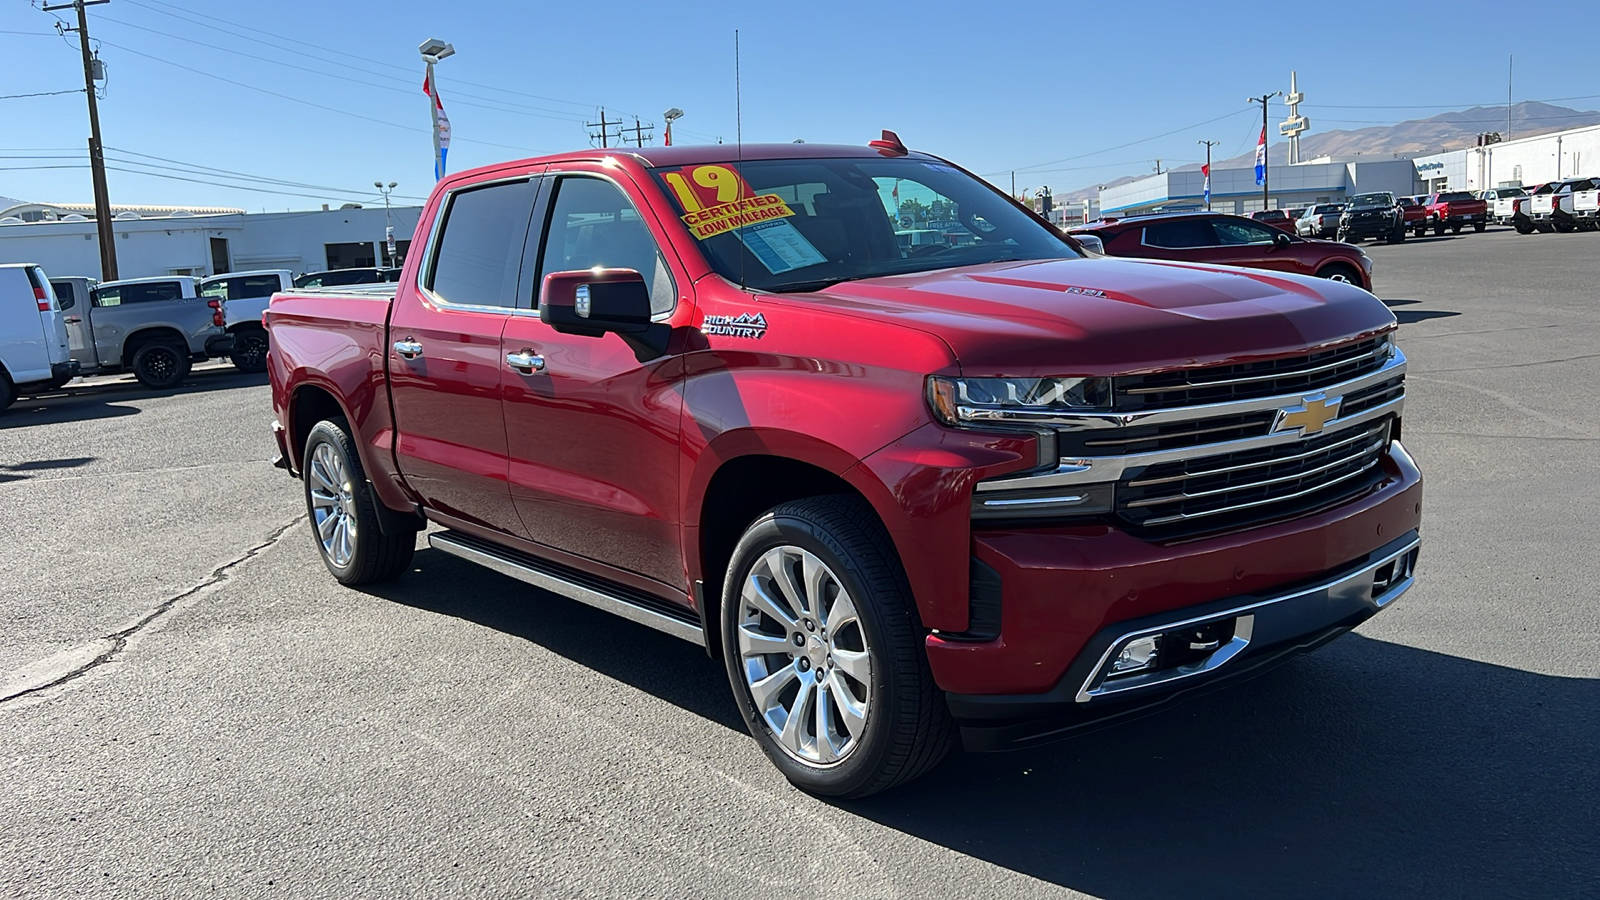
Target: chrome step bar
{"type": "Point", "coordinates": [531, 571]}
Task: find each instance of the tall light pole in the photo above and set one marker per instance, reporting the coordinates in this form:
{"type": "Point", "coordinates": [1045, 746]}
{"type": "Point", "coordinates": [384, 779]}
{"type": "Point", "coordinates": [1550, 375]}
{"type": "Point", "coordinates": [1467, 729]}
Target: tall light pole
{"type": "Point", "coordinates": [434, 50]}
{"type": "Point", "coordinates": [671, 115]}
{"type": "Point", "coordinates": [1207, 173]}
{"type": "Point", "coordinates": [97, 158]}
{"type": "Point", "coordinates": [1266, 162]}
{"type": "Point", "coordinates": [388, 223]}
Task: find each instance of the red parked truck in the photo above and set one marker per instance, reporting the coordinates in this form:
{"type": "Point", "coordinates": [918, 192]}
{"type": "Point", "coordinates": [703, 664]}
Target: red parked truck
{"type": "Point", "coordinates": [1456, 209]}
{"type": "Point", "coordinates": [988, 487]}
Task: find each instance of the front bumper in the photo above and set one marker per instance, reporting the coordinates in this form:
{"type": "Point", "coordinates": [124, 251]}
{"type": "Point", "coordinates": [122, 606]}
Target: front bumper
{"type": "Point", "coordinates": [1261, 631]}
{"type": "Point", "coordinates": [1378, 227]}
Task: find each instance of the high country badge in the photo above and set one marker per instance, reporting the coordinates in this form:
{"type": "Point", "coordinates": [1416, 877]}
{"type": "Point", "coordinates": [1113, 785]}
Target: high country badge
{"type": "Point", "coordinates": [744, 325]}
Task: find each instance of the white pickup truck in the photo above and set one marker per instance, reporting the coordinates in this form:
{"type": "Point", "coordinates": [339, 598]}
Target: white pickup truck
{"type": "Point", "coordinates": [1502, 202]}
{"type": "Point", "coordinates": [244, 297]}
{"type": "Point", "coordinates": [1586, 206]}
{"type": "Point", "coordinates": [1554, 207]}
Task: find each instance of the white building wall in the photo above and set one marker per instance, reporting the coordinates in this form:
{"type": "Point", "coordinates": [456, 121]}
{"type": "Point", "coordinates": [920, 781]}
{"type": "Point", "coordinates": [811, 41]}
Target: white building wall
{"type": "Point", "coordinates": [164, 246]}
{"type": "Point", "coordinates": [1535, 160]}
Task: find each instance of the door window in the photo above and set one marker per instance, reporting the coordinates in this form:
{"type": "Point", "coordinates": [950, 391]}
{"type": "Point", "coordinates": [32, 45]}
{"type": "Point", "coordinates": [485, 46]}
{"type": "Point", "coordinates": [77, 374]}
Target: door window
{"type": "Point", "coordinates": [66, 294]}
{"type": "Point", "coordinates": [480, 247]}
{"type": "Point", "coordinates": [249, 287]}
{"type": "Point", "coordinates": [593, 223]}
{"type": "Point", "coordinates": [1179, 234]}
{"type": "Point", "coordinates": [149, 292]}
{"type": "Point", "coordinates": [1234, 234]}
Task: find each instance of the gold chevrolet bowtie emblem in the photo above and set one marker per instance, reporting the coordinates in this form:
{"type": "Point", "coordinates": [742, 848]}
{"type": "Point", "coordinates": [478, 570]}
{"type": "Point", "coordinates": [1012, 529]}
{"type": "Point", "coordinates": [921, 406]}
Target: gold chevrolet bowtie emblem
{"type": "Point", "coordinates": [1310, 416]}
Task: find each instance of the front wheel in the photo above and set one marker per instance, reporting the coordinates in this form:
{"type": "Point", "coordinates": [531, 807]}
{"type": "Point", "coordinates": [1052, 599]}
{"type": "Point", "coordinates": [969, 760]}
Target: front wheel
{"type": "Point", "coordinates": [250, 350]}
{"type": "Point", "coordinates": [160, 365]}
{"type": "Point", "coordinates": [344, 518]}
{"type": "Point", "coordinates": [1340, 272]}
{"type": "Point", "coordinates": [824, 651]}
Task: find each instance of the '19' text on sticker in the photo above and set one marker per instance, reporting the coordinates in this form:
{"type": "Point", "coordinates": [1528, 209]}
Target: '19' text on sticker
{"type": "Point", "coordinates": [716, 200]}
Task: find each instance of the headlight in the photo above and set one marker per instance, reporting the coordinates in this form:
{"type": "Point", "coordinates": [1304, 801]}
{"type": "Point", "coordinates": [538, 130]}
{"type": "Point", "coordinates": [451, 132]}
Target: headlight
{"type": "Point", "coordinates": [970, 401]}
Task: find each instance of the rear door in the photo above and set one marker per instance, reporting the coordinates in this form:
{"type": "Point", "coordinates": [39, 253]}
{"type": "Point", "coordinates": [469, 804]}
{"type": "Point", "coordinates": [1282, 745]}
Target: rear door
{"type": "Point", "coordinates": [1189, 240]}
{"type": "Point", "coordinates": [593, 432]}
{"type": "Point", "coordinates": [23, 347]}
{"type": "Point", "coordinates": [50, 317]}
{"type": "Point", "coordinates": [444, 357]}
{"type": "Point", "coordinates": [1244, 243]}
{"type": "Point", "coordinates": [72, 295]}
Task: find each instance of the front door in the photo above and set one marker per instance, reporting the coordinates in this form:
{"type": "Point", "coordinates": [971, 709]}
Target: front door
{"type": "Point", "coordinates": [593, 432]}
{"type": "Point", "coordinates": [445, 361]}
{"type": "Point", "coordinates": [1241, 242]}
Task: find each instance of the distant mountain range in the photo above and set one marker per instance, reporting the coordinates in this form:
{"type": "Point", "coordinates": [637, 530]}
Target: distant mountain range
{"type": "Point", "coordinates": [1415, 137]}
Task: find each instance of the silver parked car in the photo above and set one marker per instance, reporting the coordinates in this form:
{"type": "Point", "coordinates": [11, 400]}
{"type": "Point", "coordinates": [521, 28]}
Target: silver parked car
{"type": "Point", "coordinates": [1319, 221]}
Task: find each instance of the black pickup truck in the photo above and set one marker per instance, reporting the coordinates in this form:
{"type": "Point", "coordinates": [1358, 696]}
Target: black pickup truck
{"type": "Point", "coordinates": [1373, 215]}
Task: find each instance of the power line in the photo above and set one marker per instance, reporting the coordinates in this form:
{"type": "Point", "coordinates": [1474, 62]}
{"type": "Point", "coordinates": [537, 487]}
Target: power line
{"type": "Point", "coordinates": [1122, 146]}
{"type": "Point", "coordinates": [41, 94]}
{"type": "Point", "coordinates": [247, 175]}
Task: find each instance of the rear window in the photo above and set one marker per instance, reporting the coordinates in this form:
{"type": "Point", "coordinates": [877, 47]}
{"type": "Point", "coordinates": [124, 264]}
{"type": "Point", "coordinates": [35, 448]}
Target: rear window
{"type": "Point", "coordinates": [149, 292]}
{"type": "Point", "coordinates": [480, 251]}
{"type": "Point", "coordinates": [1454, 196]}
{"type": "Point", "coordinates": [249, 287]}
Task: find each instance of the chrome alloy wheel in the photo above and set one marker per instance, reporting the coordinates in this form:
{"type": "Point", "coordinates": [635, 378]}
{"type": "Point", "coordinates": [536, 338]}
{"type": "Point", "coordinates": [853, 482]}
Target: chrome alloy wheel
{"type": "Point", "coordinates": [805, 656]}
{"type": "Point", "coordinates": [333, 504]}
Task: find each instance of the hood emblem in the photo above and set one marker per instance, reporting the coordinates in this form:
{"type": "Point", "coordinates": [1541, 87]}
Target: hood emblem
{"type": "Point", "coordinates": [744, 325]}
{"type": "Point", "coordinates": [1310, 417]}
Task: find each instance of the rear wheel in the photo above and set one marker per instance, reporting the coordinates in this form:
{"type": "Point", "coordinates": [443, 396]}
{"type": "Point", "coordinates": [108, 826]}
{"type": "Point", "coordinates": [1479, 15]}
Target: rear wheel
{"type": "Point", "coordinates": [160, 365]}
{"type": "Point", "coordinates": [344, 518]}
{"type": "Point", "coordinates": [1479, 226]}
{"type": "Point", "coordinates": [824, 651]}
{"type": "Point", "coordinates": [1455, 229]}
{"type": "Point", "coordinates": [1438, 230]}
{"type": "Point", "coordinates": [1398, 236]}
{"type": "Point", "coordinates": [8, 391]}
{"type": "Point", "coordinates": [250, 350]}
{"type": "Point", "coordinates": [1523, 229]}
{"type": "Point", "coordinates": [1564, 227]}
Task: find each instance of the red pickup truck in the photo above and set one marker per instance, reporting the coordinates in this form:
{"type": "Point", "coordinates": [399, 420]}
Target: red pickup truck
{"type": "Point", "coordinates": [989, 487]}
{"type": "Point", "coordinates": [1455, 209]}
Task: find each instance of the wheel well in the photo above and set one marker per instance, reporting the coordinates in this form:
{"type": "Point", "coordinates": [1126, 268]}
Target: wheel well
{"type": "Point", "coordinates": [308, 406]}
{"type": "Point", "coordinates": [150, 335]}
{"type": "Point", "coordinates": [741, 490]}
{"type": "Point", "coordinates": [1348, 268]}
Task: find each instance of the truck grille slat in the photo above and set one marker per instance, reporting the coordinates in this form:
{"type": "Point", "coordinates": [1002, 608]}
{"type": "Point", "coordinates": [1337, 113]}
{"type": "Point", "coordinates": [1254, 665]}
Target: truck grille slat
{"type": "Point", "coordinates": [1225, 484]}
{"type": "Point", "coordinates": [1217, 384]}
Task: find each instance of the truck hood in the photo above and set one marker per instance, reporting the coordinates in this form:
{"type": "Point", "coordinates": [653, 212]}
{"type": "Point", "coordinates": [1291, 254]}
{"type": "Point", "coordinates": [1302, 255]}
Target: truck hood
{"type": "Point", "coordinates": [1104, 316]}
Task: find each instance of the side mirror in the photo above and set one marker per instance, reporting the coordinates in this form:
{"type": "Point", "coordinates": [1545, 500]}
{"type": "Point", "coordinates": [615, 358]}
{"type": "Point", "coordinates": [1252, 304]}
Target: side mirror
{"type": "Point", "coordinates": [1091, 243]}
{"type": "Point", "coordinates": [1281, 240]}
{"type": "Point", "coordinates": [591, 302]}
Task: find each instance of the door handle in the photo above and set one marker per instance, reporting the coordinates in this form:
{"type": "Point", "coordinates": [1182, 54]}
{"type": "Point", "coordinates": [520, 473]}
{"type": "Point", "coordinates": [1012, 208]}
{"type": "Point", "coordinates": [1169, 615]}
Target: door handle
{"type": "Point", "coordinates": [73, 320]}
{"type": "Point", "coordinates": [408, 348]}
{"type": "Point", "coordinates": [527, 362]}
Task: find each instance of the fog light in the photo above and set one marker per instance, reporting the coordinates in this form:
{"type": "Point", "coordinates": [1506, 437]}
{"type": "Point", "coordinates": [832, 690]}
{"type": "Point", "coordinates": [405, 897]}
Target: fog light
{"type": "Point", "coordinates": [1137, 655]}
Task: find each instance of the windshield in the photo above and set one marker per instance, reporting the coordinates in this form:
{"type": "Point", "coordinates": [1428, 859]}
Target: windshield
{"type": "Point", "coordinates": [1384, 199]}
{"type": "Point", "coordinates": [803, 224]}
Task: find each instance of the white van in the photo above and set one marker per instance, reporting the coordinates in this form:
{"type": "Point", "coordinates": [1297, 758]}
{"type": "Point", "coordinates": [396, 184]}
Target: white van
{"type": "Point", "coordinates": [34, 355]}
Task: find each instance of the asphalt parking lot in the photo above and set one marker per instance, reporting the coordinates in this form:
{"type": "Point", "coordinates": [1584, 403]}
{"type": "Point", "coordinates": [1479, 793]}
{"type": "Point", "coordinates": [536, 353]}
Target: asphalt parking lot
{"type": "Point", "coordinates": [192, 704]}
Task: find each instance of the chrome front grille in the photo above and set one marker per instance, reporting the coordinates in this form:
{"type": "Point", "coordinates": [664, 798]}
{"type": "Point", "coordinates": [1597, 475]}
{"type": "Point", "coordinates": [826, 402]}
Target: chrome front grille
{"type": "Point", "coordinates": [1220, 384]}
{"type": "Point", "coordinates": [1258, 482]}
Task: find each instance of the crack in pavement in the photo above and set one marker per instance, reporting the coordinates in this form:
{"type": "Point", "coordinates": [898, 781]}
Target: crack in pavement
{"type": "Point", "coordinates": [113, 644]}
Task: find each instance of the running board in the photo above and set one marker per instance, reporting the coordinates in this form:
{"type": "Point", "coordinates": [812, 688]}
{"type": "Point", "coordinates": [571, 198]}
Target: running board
{"type": "Point", "coordinates": [636, 606]}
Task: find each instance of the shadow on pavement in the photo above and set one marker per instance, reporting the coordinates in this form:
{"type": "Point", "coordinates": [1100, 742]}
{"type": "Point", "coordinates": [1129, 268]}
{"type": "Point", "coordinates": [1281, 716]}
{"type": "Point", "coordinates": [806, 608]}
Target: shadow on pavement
{"type": "Point", "coordinates": [1409, 316]}
{"type": "Point", "coordinates": [10, 473]}
{"type": "Point", "coordinates": [110, 397]}
{"type": "Point", "coordinates": [1367, 769]}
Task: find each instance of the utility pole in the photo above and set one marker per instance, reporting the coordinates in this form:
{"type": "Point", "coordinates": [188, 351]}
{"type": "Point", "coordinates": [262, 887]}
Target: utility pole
{"type": "Point", "coordinates": [1013, 184]}
{"type": "Point", "coordinates": [1266, 149]}
{"type": "Point", "coordinates": [605, 129]}
{"type": "Point", "coordinates": [640, 132]}
{"type": "Point", "coordinates": [1158, 167]}
{"type": "Point", "coordinates": [1207, 172]}
{"type": "Point", "coordinates": [97, 157]}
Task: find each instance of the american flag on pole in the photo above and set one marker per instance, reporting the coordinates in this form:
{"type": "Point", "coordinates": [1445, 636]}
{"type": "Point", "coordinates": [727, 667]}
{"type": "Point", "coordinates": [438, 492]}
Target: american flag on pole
{"type": "Point", "coordinates": [1261, 157]}
{"type": "Point", "coordinates": [1206, 171]}
{"type": "Point", "coordinates": [441, 124]}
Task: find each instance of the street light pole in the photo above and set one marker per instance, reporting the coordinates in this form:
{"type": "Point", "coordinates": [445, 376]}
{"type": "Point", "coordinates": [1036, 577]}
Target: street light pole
{"type": "Point", "coordinates": [434, 50]}
{"type": "Point", "coordinates": [388, 223]}
{"type": "Point", "coordinates": [1207, 173]}
{"type": "Point", "coordinates": [1266, 161]}
{"type": "Point", "coordinates": [97, 157]}
{"type": "Point", "coordinates": [671, 115]}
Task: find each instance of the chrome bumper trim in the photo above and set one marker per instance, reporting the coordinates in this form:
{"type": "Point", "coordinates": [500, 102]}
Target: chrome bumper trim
{"type": "Point", "coordinates": [1356, 589]}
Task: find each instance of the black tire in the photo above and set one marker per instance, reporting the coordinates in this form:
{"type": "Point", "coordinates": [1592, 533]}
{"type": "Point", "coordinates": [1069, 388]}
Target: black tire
{"type": "Point", "coordinates": [1455, 229]}
{"type": "Point", "coordinates": [1340, 272]}
{"type": "Point", "coordinates": [1398, 236]}
{"type": "Point", "coordinates": [1479, 226]}
{"type": "Point", "coordinates": [160, 365]}
{"type": "Point", "coordinates": [1438, 230]}
{"type": "Point", "coordinates": [1564, 227]}
{"type": "Point", "coordinates": [374, 556]}
{"type": "Point", "coordinates": [1523, 229]}
{"type": "Point", "coordinates": [250, 350]}
{"type": "Point", "coordinates": [1420, 232]}
{"type": "Point", "coordinates": [8, 391]}
{"type": "Point", "coordinates": [907, 728]}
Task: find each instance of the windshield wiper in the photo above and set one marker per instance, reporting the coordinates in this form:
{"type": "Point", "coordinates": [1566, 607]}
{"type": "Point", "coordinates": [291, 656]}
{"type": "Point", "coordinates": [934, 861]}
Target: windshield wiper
{"type": "Point", "coordinates": [796, 287]}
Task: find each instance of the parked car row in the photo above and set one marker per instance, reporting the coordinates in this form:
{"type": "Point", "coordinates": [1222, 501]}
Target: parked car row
{"type": "Point", "coordinates": [1572, 204]}
{"type": "Point", "coordinates": [55, 329]}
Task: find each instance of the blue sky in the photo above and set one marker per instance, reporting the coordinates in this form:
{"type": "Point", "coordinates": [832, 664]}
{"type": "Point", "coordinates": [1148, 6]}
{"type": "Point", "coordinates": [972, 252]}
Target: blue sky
{"type": "Point", "coordinates": [1067, 94]}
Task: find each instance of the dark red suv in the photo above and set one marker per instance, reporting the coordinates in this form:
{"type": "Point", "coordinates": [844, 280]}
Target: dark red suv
{"type": "Point", "coordinates": [1218, 239]}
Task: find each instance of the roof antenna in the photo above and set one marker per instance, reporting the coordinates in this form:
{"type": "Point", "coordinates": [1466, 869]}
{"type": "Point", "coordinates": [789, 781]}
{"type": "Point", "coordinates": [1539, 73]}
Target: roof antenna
{"type": "Point", "coordinates": [738, 139]}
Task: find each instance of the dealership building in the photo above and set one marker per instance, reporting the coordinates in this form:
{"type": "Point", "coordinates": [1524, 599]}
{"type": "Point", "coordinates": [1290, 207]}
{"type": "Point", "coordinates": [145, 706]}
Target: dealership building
{"type": "Point", "coordinates": [1526, 161]}
{"type": "Point", "coordinates": [154, 241]}
{"type": "Point", "coordinates": [1234, 190]}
